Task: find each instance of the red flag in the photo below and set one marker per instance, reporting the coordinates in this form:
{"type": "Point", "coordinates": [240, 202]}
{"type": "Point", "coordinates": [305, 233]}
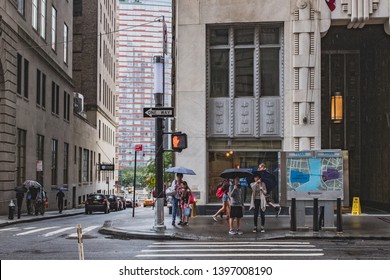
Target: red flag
{"type": "Point", "coordinates": [331, 4]}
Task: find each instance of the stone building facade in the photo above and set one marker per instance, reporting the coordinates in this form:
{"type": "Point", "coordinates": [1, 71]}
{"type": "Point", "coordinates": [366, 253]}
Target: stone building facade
{"type": "Point", "coordinates": [259, 76]}
{"type": "Point", "coordinates": [42, 138]}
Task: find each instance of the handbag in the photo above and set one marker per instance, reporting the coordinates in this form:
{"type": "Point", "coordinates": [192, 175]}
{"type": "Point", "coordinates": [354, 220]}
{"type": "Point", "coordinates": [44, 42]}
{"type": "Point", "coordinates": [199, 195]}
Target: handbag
{"type": "Point", "coordinates": [187, 211]}
{"type": "Point", "coordinates": [192, 198]}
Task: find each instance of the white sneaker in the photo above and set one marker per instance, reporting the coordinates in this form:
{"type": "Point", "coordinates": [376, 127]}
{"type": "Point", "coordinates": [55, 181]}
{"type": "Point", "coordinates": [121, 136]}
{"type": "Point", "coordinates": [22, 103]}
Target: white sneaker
{"type": "Point", "coordinates": [239, 232]}
{"type": "Point", "coordinates": [215, 218]}
{"type": "Point", "coordinates": [262, 229]}
{"type": "Point", "coordinates": [232, 232]}
{"type": "Point", "coordinates": [278, 211]}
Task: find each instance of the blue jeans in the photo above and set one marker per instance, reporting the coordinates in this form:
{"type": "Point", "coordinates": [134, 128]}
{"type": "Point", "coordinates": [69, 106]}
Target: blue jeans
{"type": "Point", "coordinates": [175, 208]}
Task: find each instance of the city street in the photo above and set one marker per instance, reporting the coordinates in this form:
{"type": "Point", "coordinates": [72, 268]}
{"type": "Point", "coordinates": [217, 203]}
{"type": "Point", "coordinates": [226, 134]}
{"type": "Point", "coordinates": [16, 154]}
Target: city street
{"type": "Point", "coordinates": [56, 239]}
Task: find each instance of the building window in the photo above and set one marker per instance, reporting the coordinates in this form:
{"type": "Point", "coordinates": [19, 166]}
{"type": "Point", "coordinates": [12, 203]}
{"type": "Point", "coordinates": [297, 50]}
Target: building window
{"type": "Point", "coordinates": [21, 157]}
{"type": "Point", "coordinates": [55, 98]}
{"type": "Point", "coordinates": [26, 77]}
{"type": "Point", "coordinates": [19, 69]}
{"type": "Point", "coordinates": [233, 64]}
{"type": "Point", "coordinates": [40, 152]}
{"type": "Point", "coordinates": [77, 8]}
{"type": "Point", "coordinates": [66, 163]}
{"type": "Point", "coordinates": [41, 89]}
{"type": "Point", "coordinates": [53, 29]}
{"type": "Point", "coordinates": [35, 14]}
{"type": "Point", "coordinates": [80, 164]}
{"type": "Point", "coordinates": [54, 161]}
{"type": "Point", "coordinates": [21, 7]}
{"type": "Point", "coordinates": [42, 30]}
{"type": "Point", "coordinates": [85, 165]}
{"type": "Point", "coordinates": [65, 43]}
{"type": "Point", "coordinates": [66, 105]}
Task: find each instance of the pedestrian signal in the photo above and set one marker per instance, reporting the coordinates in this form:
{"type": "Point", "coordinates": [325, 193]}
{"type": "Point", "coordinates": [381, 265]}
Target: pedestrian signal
{"type": "Point", "coordinates": [179, 142]}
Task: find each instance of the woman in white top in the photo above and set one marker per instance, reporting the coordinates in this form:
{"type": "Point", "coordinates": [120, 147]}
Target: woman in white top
{"type": "Point", "coordinates": [258, 202]}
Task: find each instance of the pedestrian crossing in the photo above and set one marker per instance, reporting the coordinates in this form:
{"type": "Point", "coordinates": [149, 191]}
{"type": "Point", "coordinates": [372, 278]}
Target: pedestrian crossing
{"type": "Point", "coordinates": [67, 232]}
{"type": "Point", "coordinates": [195, 250]}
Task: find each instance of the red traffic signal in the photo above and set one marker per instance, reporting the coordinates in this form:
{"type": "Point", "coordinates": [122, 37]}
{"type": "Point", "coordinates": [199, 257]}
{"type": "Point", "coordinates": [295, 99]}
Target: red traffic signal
{"type": "Point", "coordinates": [179, 142]}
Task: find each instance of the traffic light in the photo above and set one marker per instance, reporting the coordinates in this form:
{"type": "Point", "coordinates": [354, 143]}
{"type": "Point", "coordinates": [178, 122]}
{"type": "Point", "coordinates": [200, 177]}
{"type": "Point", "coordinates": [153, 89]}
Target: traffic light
{"type": "Point", "coordinates": [179, 141]}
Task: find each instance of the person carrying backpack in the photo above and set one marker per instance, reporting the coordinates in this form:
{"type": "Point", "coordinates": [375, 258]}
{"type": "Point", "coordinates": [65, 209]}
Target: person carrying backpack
{"type": "Point", "coordinates": [222, 192]}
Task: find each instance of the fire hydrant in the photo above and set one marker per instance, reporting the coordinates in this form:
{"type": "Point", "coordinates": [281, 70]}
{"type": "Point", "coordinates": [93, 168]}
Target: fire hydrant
{"type": "Point", "coordinates": [11, 210]}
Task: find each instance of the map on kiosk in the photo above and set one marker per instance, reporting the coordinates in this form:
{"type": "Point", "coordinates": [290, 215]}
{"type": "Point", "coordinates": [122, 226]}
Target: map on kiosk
{"type": "Point", "coordinates": [315, 172]}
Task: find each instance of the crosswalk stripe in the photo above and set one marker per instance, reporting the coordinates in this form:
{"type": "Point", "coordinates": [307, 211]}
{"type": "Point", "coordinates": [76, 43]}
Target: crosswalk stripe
{"type": "Point", "coordinates": [231, 255]}
{"type": "Point", "coordinates": [235, 250]}
{"type": "Point", "coordinates": [9, 229]}
{"type": "Point", "coordinates": [57, 231]}
{"type": "Point", "coordinates": [228, 246]}
{"type": "Point", "coordinates": [230, 249]}
{"type": "Point", "coordinates": [85, 230]}
{"type": "Point", "coordinates": [235, 242]}
{"type": "Point", "coordinates": [35, 230]}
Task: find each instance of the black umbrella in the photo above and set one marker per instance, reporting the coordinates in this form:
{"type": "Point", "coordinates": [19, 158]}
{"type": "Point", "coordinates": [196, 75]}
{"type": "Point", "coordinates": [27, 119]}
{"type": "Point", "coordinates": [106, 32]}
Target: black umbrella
{"type": "Point", "coordinates": [268, 178]}
{"type": "Point", "coordinates": [236, 172]}
{"type": "Point", "coordinates": [21, 189]}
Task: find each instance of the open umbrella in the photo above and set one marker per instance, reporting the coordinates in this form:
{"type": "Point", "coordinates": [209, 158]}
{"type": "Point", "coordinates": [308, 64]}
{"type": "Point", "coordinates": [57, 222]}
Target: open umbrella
{"type": "Point", "coordinates": [268, 178]}
{"type": "Point", "coordinates": [179, 169]}
{"type": "Point", "coordinates": [32, 183]}
{"type": "Point", "coordinates": [21, 189]}
{"type": "Point", "coordinates": [236, 172]}
{"type": "Point", "coordinates": [63, 188]}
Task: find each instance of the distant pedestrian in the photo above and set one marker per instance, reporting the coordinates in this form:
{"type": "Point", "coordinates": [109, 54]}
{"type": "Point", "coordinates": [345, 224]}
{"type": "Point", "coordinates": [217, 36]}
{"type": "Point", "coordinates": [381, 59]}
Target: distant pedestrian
{"type": "Point", "coordinates": [60, 200]}
{"type": "Point", "coordinates": [258, 202]}
{"type": "Point", "coordinates": [19, 201]}
{"type": "Point", "coordinates": [237, 206]}
{"type": "Point", "coordinates": [29, 203]}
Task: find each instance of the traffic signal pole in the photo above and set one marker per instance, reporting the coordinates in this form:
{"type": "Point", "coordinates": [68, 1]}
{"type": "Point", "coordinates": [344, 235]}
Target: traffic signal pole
{"type": "Point", "coordinates": [159, 99]}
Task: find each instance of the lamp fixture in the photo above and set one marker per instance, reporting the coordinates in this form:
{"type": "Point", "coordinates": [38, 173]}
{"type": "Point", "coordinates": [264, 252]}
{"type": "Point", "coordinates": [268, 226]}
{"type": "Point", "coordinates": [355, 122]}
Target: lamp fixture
{"type": "Point", "coordinates": [336, 112]}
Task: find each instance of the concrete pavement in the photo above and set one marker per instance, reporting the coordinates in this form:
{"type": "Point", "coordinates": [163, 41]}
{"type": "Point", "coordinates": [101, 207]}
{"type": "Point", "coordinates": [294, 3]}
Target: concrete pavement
{"type": "Point", "coordinates": [368, 225]}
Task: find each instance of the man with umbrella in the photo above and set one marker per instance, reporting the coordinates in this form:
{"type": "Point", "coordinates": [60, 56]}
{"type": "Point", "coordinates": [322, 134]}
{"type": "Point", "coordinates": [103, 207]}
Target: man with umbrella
{"type": "Point", "coordinates": [270, 181]}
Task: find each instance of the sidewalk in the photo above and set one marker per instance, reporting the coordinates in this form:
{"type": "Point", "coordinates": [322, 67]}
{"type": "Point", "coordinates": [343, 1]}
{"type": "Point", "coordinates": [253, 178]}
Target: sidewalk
{"type": "Point", "coordinates": [364, 226]}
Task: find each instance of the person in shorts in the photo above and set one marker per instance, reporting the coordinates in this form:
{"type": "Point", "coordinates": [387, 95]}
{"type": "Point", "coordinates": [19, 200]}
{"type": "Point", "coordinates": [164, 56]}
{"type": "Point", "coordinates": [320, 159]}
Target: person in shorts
{"type": "Point", "coordinates": [236, 206]}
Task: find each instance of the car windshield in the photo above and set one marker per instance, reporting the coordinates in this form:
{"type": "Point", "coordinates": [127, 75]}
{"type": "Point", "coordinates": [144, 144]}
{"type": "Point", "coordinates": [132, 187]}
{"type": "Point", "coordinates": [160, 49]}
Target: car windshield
{"type": "Point", "coordinates": [97, 196]}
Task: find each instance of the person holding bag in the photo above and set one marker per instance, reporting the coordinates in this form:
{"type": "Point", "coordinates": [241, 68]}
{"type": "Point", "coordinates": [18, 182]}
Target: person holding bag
{"type": "Point", "coordinates": [258, 202]}
{"type": "Point", "coordinates": [185, 204]}
{"type": "Point", "coordinates": [174, 192]}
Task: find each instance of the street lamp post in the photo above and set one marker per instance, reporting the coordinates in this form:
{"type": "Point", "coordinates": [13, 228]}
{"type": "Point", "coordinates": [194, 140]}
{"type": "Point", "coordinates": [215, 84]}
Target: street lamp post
{"type": "Point", "coordinates": [158, 69]}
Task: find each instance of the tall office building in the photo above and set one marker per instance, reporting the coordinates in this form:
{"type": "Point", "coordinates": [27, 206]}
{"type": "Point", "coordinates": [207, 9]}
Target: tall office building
{"type": "Point", "coordinates": [94, 79]}
{"type": "Point", "coordinates": [140, 38]}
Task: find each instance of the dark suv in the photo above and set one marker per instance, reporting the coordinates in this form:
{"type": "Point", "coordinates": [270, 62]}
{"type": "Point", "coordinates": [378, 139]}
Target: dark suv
{"type": "Point", "coordinates": [97, 203]}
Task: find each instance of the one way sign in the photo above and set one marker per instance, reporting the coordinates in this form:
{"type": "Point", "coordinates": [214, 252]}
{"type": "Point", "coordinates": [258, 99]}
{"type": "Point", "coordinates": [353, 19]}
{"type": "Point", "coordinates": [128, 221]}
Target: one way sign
{"type": "Point", "coordinates": [167, 112]}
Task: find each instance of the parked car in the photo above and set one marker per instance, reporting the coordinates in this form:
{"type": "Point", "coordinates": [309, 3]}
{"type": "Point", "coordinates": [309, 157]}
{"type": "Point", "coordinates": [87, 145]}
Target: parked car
{"type": "Point", "coordinates": [97, 203]}
{"type": "Point", "coordinates": [123, 200]}
{"type": "Point", "coordinates": [129, 201]}
{"type": "Point", "coordinates": [114, 202]}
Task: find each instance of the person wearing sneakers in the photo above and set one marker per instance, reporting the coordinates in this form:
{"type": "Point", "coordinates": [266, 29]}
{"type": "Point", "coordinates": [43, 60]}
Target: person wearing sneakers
{"type": "Point", "coordinates": [236, 206]}
{"type": "Point", "coordinates": [225, 202]}
{"type": "Point", "coordinates": [258, 202]}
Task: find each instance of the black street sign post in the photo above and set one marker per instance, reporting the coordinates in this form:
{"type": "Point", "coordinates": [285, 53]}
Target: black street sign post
{"type": "Point", "coordinates": [159, 112]}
